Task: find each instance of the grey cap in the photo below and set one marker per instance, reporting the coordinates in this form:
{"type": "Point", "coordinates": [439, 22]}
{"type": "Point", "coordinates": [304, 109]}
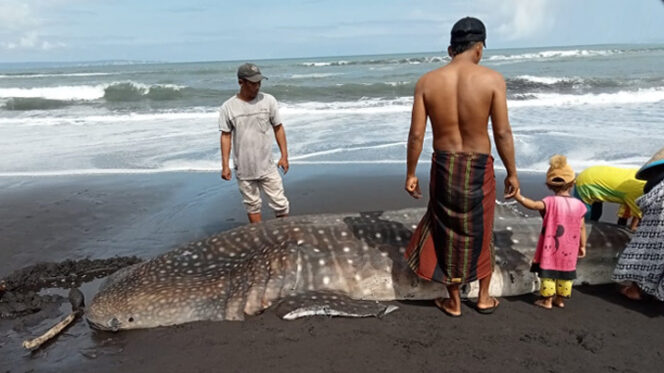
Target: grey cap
{"type": "Point", "coordinates": [250, 72]}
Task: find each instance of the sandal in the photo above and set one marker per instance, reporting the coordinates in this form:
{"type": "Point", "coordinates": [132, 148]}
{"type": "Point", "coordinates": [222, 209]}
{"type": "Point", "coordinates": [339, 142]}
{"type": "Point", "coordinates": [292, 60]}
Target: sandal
{"type": "Point", "coordinates": [488, 310]}
{"type": "Point", "coordinates": [440, 303]}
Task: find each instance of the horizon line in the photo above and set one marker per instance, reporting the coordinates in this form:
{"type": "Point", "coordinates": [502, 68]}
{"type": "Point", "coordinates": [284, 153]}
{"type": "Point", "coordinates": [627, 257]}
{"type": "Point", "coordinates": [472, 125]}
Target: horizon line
{"type": "Point", "coordinates": [147, 61]}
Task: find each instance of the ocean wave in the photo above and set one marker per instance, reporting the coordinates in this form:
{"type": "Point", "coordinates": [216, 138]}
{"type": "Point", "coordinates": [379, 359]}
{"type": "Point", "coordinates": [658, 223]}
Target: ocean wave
{"type": "Point", "coordinates": [365, 106]}
{"type": "Point", "coordinates": [538, 167]}
{"type": "Point", "coordinates": [131, 91]}
{"type": "Point", "coordinates": [554, 54]}
{"type": "Point", "coordinates": [345, 150]}
{"type": "Point", "coordinates": [379, 61]}
{"type": "Point", "coordinates": [184, 167]}
{"type": "Point", "coordinates": [118, 91]}
{"type": "Point", "coordinates": [204, 113]}
{"type": "Point", "coordinates": [33, 103]}
{"type": "Point", "coordinates": [105, 171]}
{"type": "Point", "coordinates": [650, 95]}
{"type": "Point", "coordinates": [52, 75]}
{"type": "Point", "coordinates": [548, 80]}
{"type": "Point", "coordinates": [525, 84]}
{"type": "Point", "coordinates": [314, 75]}
{"type": "Point", "coordinates": [341, 91]}
{"type": "Point", "coordinates": [64, 93]}
{"type": "Point", "coordinates": [362, 106]}
{"type": "Point", "coordinates": [368, 105]}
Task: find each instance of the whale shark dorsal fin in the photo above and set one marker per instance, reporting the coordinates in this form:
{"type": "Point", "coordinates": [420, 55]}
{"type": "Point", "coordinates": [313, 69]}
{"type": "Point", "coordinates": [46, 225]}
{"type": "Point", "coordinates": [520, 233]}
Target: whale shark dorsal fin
{"type": "Point", "coordinates": [330, 304]}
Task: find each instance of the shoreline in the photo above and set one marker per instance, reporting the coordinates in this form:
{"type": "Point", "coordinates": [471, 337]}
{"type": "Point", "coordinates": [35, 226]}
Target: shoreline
{"type": "Point", "coordinates": [53, 218]}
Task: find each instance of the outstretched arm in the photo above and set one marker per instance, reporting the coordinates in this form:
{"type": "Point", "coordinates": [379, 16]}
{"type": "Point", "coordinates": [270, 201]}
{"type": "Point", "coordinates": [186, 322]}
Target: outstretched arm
{"type": "Point", "coordinates": [502, 135]}
{"type": "Point", "coordinates": [280, 135]}
{"type": "Point", "coordinates": [418, 123]}
{"type": "Point", "coordinates": [529, 203]}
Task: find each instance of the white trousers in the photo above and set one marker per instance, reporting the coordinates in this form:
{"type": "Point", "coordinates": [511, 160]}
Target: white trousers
{"type": "Point", "coordinates": [273, 187]}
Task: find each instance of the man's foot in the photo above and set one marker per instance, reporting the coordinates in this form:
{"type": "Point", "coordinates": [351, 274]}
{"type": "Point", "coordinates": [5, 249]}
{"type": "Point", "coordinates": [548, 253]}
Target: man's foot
{"type": "Point", "coordinates": [488, 310]}
{"type": "Point", "coordinates": [558, 302]}
{"type": "Point", "coordinates": [544, 303]}
{"type": "Point", "coordinates": [444, 305]}
{"type": "Point", "coordinates": [632, 292]}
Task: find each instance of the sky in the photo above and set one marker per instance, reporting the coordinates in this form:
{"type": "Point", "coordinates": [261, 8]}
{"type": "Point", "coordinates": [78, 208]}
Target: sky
{"type": "Point", "coordinates": [220, 30]}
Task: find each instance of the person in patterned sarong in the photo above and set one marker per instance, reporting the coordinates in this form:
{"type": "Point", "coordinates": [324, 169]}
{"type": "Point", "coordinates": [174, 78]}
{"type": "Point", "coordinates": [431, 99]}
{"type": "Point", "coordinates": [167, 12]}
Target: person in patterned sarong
{"type": "Point", "coordinates": [640, 268]}
{"type": "Point", "coordinates": [453, 242]}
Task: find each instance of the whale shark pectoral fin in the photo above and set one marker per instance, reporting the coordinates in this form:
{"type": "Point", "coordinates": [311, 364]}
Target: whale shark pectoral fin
{"type": "Point", "coordinates": [330, 304]}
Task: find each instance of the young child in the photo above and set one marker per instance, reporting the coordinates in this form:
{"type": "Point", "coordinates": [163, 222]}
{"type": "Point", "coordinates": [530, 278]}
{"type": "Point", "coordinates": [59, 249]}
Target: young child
{"type": "Point", "coordinates": [563, 236]}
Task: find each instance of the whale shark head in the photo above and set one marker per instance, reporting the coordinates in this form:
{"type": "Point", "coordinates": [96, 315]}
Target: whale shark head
{"type": "Point", "coordinates": [170, 290]}
{"type": "Point", "coordinates": [114, 311]}
{"type": "Point", "coordinates": [119, 308]}
{"type": "Point", "coordinates": [149, 305]}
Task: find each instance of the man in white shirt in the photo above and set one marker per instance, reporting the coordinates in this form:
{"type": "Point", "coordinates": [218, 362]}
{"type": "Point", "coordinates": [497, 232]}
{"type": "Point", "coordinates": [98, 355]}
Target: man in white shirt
{"type": "Point", "coordinates": [245, 121]}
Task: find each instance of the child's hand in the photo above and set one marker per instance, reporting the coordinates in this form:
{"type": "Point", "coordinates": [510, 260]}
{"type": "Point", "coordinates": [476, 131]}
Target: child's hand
{"type": "Point", "coordinates": [582, 252]}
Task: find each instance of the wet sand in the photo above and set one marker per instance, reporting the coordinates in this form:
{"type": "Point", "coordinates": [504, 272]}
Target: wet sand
{"type": "Point", "coordinates": [53, 219]}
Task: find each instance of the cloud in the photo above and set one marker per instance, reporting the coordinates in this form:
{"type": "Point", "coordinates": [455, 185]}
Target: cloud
{"type": "Point", "coordinates": [31, 40]}
{"type": "Point", "coordinates": [523, 19]}
{"type": "Point", "coordinates": [19, 25]}
{"type": "Point", "coordinates": [16, 15]}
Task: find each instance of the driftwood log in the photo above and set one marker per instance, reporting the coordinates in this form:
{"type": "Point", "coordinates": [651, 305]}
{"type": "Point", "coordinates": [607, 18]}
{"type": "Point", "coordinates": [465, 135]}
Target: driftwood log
{"type": "Point", "coordinates": [33, 344]}
{"type": "Point", "coordinates": [77, 304]}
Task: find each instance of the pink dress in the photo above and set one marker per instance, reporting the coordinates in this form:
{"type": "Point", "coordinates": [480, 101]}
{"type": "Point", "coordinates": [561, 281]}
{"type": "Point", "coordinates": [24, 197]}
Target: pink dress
{"type": "Point", "coordinates": [558, 245]}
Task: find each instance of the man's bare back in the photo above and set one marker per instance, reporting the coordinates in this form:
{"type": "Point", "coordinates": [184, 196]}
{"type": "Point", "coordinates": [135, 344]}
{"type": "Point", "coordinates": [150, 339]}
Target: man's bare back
{"type": "Point", "coordinates": [459, 99]}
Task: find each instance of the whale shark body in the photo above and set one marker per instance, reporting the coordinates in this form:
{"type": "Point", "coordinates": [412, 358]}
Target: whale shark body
{"type": "Point", "coordinates": [336, 264]}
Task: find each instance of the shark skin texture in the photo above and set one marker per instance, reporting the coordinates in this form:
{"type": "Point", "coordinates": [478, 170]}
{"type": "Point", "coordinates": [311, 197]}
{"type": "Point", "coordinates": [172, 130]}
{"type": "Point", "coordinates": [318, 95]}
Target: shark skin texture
{"type": "Point", "coordinates": [328, 264]}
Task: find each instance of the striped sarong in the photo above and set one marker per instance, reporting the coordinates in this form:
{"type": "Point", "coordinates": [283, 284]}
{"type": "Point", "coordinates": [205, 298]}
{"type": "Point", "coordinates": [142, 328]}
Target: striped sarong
{"type": "Point", "coordinates": [453, 242]}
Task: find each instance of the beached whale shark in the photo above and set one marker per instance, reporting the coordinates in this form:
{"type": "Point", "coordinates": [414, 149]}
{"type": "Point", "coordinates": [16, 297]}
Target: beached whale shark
{"type": "Point", "coordinates": [338, 265]}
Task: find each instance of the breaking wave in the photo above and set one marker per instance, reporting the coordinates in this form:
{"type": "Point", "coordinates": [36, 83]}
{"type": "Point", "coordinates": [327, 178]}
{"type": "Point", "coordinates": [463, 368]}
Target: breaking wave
{"type": "Point", "coordinates": [554, 54]}
{"type": "Point", "coordinates": [119, 91]}
{"type": "Point", "coordinates": [131, 91]}
{"type": "Point", "coordinates": [52, 75]}
{"type": "Point", "coordinates": [386, 61]}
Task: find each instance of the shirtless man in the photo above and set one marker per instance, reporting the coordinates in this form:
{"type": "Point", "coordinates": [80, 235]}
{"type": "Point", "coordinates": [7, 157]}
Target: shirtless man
{"type": "Point", "coordinates": [452, 243]}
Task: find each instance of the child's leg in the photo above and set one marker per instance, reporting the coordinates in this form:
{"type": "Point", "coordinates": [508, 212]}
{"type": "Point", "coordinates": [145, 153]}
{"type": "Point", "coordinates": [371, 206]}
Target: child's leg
{"type": "Point", "coordinates": [547, 291]}
{"type": "Point", "coordinates": [563, 290]}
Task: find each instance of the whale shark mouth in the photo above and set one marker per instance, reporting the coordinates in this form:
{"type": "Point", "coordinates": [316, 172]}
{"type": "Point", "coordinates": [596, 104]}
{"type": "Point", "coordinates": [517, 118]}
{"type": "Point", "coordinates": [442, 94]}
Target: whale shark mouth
{"type": "Point", "coordinates": [114, 325]}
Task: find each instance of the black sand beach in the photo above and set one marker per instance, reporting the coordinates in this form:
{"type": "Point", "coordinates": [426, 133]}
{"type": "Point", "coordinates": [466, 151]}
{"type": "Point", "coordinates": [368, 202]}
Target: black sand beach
{"type": "Point", "coordinates": [53, 219]}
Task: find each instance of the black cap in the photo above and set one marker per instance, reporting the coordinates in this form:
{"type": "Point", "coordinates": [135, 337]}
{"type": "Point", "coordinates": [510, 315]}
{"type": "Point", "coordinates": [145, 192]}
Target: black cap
{"type": "Point", "coordinates": [468, 29]}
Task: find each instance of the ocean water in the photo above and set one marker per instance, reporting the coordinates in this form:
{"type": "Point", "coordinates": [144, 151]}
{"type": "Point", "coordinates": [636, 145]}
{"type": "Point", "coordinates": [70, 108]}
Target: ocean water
{"type": "Point", "coordinates": [595, 104]}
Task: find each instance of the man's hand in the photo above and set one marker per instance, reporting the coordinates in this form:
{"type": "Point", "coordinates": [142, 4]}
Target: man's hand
{"type": "Point", "coordinates": [283, 163]}
{"type": "Point", "coordinates": [511, 186]}
{"type": "Point", "coordinates": [582, 252]}
{"type": "Point", "coordinates": [413, 187]}
{"type": "Point", "coordinates": [226, 173]}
